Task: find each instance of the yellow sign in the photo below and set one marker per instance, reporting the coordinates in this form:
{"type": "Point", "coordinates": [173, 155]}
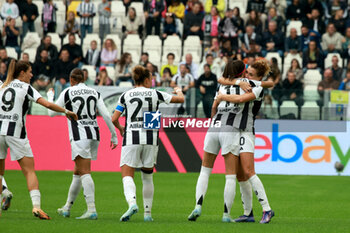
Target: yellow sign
{"type": "Point", "coordinates": [339, 97]}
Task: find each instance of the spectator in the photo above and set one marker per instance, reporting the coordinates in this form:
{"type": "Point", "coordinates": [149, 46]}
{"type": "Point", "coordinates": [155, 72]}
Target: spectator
{"type": "Point", "coordinates": [166, 78]}
{"type": "Point", "coordinates": [344, 85]}
{"type": "Point", "coordinates": [190, 4]}
{"type": "Point", "coordinates": [193, 22]}
{"type": "Point", "coordinates": [295, 67]}
{"type": "Point", "coordinates": [346, 44]}
{"type": "Point", "coordinates": [104, 11]}
{"type": "Point", "coordinates": [251, 41]}
{"type": "Point", "coordinates": [75, 51]}
{"type": "Point", "coordinates": [315, 22]}
{"type": "Point", "coordinates": [308, 5]}
{"type": "Point", "coordinates": [144, 59]}
{"type": "Point", "coordinates": [210, 26]}
{"type": "Point", "coordinates": [339, 21]}
{"type": "Point", "coordinates": [152, 10]}
{"type": "Point", "coordinates": [4, 58]}
{"type": "Point", "coordinates": [191, 65]}
{"type": "Point", "coordinates": [238, 19]}
{"type": "Point", "coordinates": [132, 24]}
{"type": "Point", "coordinates": [127, 4]}
{"type": "Point", "coordinates": [275, 73]}
{"type": "Point", "coordinates": [29, 15]}
{"type": "Point", "coordinates": [49, 18]}
{"type": "Point", "coordinates": [43, 72]}
{"type": "Point", "coordinates": [294, 11]}
{"type": "Point", "coordinates": [169, 26]}
{"type": "Point", "coordinates": [124, 69]}
{"type": "Point", "coordinates": [331, 40]}
{"type": "Point", "coordinates": [327, 84]}
{"type": "Point", "coordinates": [62, 69]}
{"type": "Point", "coordinates": [177, 8]}
{"type": "Point", "coordinates": [9, 9]}
{"type": "Point", "coordinates": [273, 40]}
{"type": "Point", "coordinates": [313, 57]}
{"type": "Point", "coordinates": [92, 56]}
{"type": "Point", "coordinates": [293, 43]}
{"type": "Point", "coordinates": [334, 6]}
{"type": "Point", "coordinates": [25, 57]}
{"type": "Point", "coordinates": [255, 21]}
{"type": "Point", "coordinates": [272, 16]}
{"type": "Point", "coordinates": [279, 5]}
{"type": "Point", "coordinates": [185, 81]}
{"type": "Point", "coordinates": [3, 71]}
{"type": "Point", "coordinates": [71, 25]}
{"type": "Point", "coordinates": [337, 72]}
{"type": "Point", "coordinates": [228, 28]}
{"type": "Point", "coordinates": [292, 89]}
{"type": "Point", "coordinates": [170, 64]}
{"type": "Point", "coordinates": [218, 4]}
{"type": "Point", "coordinates": [256, 5]}
{"type": "Point", "coordinates": [214, 66]}
{"type": "Point", "coordinates": [103, 79]}
{"type": "Point", "coordinates": [86, 11]}
{"type": "Point", "coordinates": [308, 35]}
{"type": "Point", "coordinates": [11, 32]}
{"type": "Point", "coordinates": [214, 49]}
{"type": "Point", "coordinates": [154, 74]}
{"type": "Point", "coordinates": [47, 45]}
{"type": "Point", "coordinates": [109, 54]}
{"type": "Point", "coordinates": [207, 84]}
{"type": "Point", "coordinates": [86, 76]}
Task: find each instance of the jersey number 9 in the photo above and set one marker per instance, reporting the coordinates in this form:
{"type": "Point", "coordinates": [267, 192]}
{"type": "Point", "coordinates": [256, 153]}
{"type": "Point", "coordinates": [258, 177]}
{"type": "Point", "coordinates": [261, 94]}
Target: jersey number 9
{"type": "Point", "coordinates": [8, 99]}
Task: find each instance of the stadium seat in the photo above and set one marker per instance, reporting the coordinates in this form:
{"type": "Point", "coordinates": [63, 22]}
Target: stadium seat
{"type": "Point", "coordinates": [192, 45]}
{"type": "Point", "coordinates": [32, 54]}
{"type": "Point", "coordinates": [310, 111]}
{"type": "Point", "coordinates": [312, 77]}
{"type": "Point", "coordinates": [277, 56]}
{"type": "Point", "coordinates": [153, 43]}
{"type": "Point", "coordinates": [111, 72]}
{"type": "Point", "coordinates": [11, 52]}
{"type": "Point", "coordinates": [118, 12]}
{"type": "Point", "coordinates": [77, 39]}
{"type": "Point", "coordinates": [288, 107]}
{"type": "Point", "coordinates": [154, 57]}
{"type": "Point", "coordinates": [92, 72]}
{"type": "Point", "coordinates": [172, 44]}
{"type": "Point", "coordinates": [133, 45]}
{"type": "Point", "coordinates": [294, 24]}
{"type": "Point", "coordinates": [117, 41]}
{"type": "Point", "coordinates": [31, 40]}
{"type": "Point", "coordinates": [87, 40]}
{"type": "Point", "coordinates": [238, 3]}
{"type": "Point", "coordinates": [56, 40]}
{"type": "Point", "coordinates": [328, 60]}
{"type": "Point", "coordinates": [125, 84]}
{"type": "Point", "coordinates": [311, 93]}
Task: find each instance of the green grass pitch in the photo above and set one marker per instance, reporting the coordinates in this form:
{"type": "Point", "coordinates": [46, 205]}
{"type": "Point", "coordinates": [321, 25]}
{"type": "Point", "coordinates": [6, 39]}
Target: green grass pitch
{"type": "Point", "coordinates": [301, 203]}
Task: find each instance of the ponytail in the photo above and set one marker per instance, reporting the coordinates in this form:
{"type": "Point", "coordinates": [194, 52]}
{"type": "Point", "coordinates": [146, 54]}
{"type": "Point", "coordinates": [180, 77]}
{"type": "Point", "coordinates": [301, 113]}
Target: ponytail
{"type": "Point", "coordinates": [10, 74]}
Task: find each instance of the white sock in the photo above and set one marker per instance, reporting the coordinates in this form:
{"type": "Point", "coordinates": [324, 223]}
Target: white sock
{"type": "Point", "coordinates": [260, 192]}
{"type": "Point", "coordinates": [4, 183]}
{"type": "Point", "coordinates": [229, 193]}
{"type": "Point", "coordinates": [129, 190]}
{"type": "Point", "coordinates": [73, 192]}
{"type": "Point", "coordinates": [246, 196]}
{"type": "Point", "coordinates": [147, 192]}
{"type": "Point", "coordinates": [35, 196]}
{"type": "Point", "coordinates": [89, 191]}
{"type": "Point", "coordinates": [202, 185]}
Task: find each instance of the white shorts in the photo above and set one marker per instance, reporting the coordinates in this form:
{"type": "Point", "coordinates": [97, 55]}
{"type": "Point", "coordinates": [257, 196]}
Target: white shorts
{"type": "Point", "coordinates": [247, 142]}
{"type": "Point", "coordinates": [19, 147]}
{"type": "Point", "coordinates": [138, 156]}
{"type": "Point", "coordinates": [227, 140]}
{"type": "Point", "coordinates": [85, 148]}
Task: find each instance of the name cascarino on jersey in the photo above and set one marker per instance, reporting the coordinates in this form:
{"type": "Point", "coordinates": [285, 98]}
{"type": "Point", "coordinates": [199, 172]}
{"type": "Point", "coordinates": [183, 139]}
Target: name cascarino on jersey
{"type": "Point", "coordinates": [83, 92]}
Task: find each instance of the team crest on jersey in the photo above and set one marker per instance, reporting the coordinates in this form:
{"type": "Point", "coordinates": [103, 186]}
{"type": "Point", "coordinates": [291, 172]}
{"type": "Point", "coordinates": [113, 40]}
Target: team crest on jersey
{"type": "Point", "coordinates": [15, 117]}
{"type": "Point", "coordinates": [151, 120]}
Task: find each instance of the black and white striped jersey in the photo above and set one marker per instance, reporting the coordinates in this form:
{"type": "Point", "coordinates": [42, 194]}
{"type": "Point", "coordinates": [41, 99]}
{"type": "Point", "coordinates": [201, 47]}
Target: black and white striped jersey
{"type": "Point", "coordinates": [14, 104]}
{"type": "Point", "coordinates": [85, 102]}
{"type": "Point", "coordinates": [183, 81]}
{"type": "Point", "coordinates": [134, 103]}
{"type": "Point", "coordinates": [241, 116]}
{"type": "Point", "coordinates": [86, 8]}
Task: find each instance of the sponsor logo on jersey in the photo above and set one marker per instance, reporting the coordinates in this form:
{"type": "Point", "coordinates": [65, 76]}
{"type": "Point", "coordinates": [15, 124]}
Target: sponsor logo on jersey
{"type": "Point", "coordinates": [151, 120]}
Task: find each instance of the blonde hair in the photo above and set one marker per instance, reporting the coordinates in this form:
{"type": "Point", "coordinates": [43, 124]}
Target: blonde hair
{"type": "Point", "coordinates": [15, 68]}
{"type": "Point", "coordinates": [114, 46]}
{"type": "Point", "coordinates": [262, 68]}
